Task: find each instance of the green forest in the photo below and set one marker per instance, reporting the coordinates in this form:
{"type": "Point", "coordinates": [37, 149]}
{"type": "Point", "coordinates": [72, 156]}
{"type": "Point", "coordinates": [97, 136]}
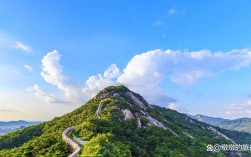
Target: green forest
{"type": "Point", "coordinates": [112, 135]}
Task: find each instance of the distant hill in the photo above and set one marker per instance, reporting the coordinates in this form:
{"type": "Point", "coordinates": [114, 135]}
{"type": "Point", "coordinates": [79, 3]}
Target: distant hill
{"type": "Point", "coordinates": [209, 120]}
{"type": "Point", "coordinates": [125, 125]}
{"type": "Point", "coordinates": [241, 124]}
{"type": "Point", "coordinates": [7, 127]}
{"type": "Point", "coordinates": [16, 123]}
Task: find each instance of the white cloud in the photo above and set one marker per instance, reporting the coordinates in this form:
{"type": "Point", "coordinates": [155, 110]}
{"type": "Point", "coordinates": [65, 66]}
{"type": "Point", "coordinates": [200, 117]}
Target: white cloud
{"type": "Point", "coordinates": [51, 68]}
{"type": "Point", "coordinates": [6, 41]}
{"type": "Point", "coordinates": [146, 72]}
{"type": "Point", "coordinates": [96, 83]}
{"type": "Point", "coordinates": [189, 78]}
{"type": "Point", "coordinates": [238, 110]}
{"type": "Point", "coordinates": [27, 67]}
{"type": "Point", "coordinates": [77, 92]}
{"type": "Point", "coordinates": [142, 69]}
{"type": "Point", "coordinates": [41, 94]}
{"type": "Point", "coordinates": [22, 46]}
{"type": "Point", "coordinates": [112, 72]}
{"type": "Point", "coordinates": [52, 72]}
{"type": "Point", "coordinates": [184, 68]}
{"type": "Point", "coordinates": [74, 92]}
{"type": "Point", "coordinates": [172, 106]}
{"type": "Point", "coordinates": [171, 11]}
{"type": "Point", "coordinates": [176, 107]}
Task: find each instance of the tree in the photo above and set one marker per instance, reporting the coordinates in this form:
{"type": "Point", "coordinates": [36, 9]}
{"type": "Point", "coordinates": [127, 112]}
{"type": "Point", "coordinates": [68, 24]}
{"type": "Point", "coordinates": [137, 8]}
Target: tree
{"type": "Point", "coordinates": [103, 147]}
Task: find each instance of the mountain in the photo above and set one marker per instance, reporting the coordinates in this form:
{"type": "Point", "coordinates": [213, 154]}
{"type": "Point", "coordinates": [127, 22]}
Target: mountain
{"type": "Point", "coordinates": [16, 123]}
{"type": "Point", "coordinates": [240, 124]}
{"type": "Point", "coordinates": [209, 120]}
{"type": "Point", "coordinates": [119, 122]}
{"type": "Point", "coordinates": [6, 127]}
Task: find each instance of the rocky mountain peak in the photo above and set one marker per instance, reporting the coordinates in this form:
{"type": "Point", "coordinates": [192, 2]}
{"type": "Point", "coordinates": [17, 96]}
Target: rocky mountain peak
{"type": "Point", "coordinates": [137, 107]}
{"type": "Point", "coordinates": [122, 93]}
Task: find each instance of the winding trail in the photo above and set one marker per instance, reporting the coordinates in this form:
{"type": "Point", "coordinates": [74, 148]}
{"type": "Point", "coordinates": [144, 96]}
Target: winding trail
{"type": "Point", "coordinates": [74, 146]}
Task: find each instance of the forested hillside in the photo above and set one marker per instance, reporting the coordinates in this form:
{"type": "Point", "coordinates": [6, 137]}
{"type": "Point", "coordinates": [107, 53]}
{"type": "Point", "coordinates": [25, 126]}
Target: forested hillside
{"type": "Point", "coordinates": [240, 124]}
{"type": "Point", "coordinates": [128, 126]}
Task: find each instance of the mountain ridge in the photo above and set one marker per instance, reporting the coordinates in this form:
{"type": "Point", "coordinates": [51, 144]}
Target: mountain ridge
{"type": "Point", "coordinates": [128, 126]}
{"type": "Point", "coordinates": [239, 124]}
{"type": "Point", "coordinates": [10, 126]}
{"type": "Point", "coordinates": [208, 119]}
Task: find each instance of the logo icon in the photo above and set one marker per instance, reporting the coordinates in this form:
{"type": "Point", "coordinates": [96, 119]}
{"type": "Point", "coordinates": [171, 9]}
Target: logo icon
{"type": "Point", "coordinates": [210, 148]}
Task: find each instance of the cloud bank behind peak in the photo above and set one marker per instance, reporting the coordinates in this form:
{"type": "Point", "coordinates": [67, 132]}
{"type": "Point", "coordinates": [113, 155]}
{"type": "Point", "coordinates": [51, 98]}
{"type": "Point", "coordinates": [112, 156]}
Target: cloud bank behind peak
{"type": "Point", "coordinates": [145, 73]}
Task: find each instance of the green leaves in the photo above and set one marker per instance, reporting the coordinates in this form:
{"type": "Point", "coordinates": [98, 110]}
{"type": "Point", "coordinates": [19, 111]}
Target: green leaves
{"type": "Point", "coordinates": [102, 146]}
{"type": "Point", "coordinates": [111, 135]}
{"type": "Point", "coordinates": [19, 137]}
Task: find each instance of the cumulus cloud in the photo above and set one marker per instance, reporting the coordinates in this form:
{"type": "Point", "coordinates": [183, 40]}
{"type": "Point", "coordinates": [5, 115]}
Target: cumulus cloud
{"type": "Point", "coordinates": [95, 83]}
{"type": "Point", "coordinates": [75, 91]}
{"type": "Point", "coordinates": [51, 68]}
{"type": "Point", "coordinates": [112, 72]}
{"type": "Point", "coordinates": [184, 68]}
{"type": "Point", "coordinates": [172, 106]}
{"type": "Point", "coordinates": [146, 72]}
{"type": "Point", "coordinates": [52, 72]}
{"type": "Point", "coordinates": [27, 67]}
{"type": "Point", "coordinates": [238, 110]}
{"type": "Point", "coordinates": [22, 46]}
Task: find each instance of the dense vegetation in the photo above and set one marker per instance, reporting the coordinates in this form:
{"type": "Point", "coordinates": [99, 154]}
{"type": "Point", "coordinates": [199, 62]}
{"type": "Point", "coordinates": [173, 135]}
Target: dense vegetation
{"type": "Point", "coordinates": [241, 124]}
{"type": "Point", "coordinates": [113, 135]}
{"type": "Point", "coordinates": [17, 138]}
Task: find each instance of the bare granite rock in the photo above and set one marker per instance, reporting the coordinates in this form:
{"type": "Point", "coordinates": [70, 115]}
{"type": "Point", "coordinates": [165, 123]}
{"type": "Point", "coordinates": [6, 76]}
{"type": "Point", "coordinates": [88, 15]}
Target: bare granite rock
{"type": "Point", "coordinates": [219, 134]}
{"type": "Point", "coordinates": [136, 100]}
{"type": "Point", "coordinates": [139, 124]}
{"type": "Point", "coordinates": [128, 114]}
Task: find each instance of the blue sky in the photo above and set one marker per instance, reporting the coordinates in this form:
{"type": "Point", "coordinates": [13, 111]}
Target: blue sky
{"type": "Point", "coordinates": [192, 56]}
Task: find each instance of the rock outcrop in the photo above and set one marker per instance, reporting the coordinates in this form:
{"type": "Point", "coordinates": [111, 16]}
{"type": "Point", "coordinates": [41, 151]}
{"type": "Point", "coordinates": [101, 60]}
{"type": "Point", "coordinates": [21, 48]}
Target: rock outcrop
{"type": "Point", "coordinates": [136, 100]}
{"type": "Point", "coordinates": [128, 114]}
{"type": "Point", "coordinates": [139, 124]}
{"type": "Point", "coordinates": [219, 134]}
{"type": "Point", "coordinates": [99, 109]}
